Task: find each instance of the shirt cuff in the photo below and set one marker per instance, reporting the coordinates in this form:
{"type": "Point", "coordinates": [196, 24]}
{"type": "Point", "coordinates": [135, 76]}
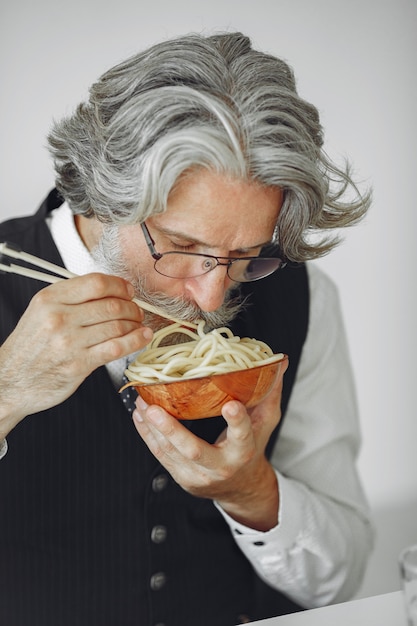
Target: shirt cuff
{"type": "Point", "coordinates": [3, 448]}
{"type": "Point", "coordinates": [284, 534]}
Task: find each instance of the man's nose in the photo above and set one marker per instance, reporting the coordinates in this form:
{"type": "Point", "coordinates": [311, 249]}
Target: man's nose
{"type": "Point", "coordinates": [208, 291]}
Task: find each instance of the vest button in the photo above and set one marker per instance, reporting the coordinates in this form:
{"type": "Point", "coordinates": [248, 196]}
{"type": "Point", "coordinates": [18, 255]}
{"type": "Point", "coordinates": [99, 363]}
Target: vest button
{"type": "Point", "coordinates": [159, 534]}
{"type": "Point", "coordinates": [159, 483]}
{"type": "Point", "coordinates": [158, 581]}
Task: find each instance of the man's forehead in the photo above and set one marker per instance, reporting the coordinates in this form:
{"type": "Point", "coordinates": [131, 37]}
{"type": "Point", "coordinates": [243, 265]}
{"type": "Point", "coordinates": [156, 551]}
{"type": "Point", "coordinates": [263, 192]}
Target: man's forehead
{"type": "Point", "coordinates": [188, 236]}
{"type": "Point", "coordinates": [216, 210]}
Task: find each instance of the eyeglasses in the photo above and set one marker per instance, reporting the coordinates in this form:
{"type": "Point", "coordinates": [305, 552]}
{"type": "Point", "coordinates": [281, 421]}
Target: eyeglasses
{"type": "Point", "coordinates": [192, 264]}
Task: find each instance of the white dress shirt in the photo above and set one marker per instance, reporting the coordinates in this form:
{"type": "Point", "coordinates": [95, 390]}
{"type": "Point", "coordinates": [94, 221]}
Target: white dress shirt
{"type": "Point", "coordinates": [317, 552]}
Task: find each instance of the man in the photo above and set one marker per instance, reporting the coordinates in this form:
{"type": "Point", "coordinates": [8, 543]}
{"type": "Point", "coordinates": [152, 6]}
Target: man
{"type": "Point", "coordinates": [200, 152]}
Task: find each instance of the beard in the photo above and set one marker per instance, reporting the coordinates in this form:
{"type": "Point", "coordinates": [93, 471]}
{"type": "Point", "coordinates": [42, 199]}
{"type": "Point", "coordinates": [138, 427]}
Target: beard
{"type": "Point", "coordinates": [108, 255]}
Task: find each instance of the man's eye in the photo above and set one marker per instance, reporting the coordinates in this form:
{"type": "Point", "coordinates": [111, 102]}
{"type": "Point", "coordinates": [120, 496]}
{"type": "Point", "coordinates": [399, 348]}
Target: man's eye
{"type": "Point", "coordinates": [182, 247]}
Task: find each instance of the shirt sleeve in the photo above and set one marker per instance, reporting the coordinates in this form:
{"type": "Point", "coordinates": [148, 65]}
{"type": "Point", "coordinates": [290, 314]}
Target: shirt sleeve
{"type": "Point", "coordinates": [318, 551]}
{"type": "Point", "coordinates": [3, 448]}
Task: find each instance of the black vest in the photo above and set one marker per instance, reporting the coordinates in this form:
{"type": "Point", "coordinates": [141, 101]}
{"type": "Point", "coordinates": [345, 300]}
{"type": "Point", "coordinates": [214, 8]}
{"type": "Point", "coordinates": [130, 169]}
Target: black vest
{"type": "Point", "coordinates": [93, 531]}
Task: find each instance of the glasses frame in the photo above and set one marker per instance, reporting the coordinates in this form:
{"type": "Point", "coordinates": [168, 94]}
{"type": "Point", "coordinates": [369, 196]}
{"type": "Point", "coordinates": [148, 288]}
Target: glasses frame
{"type": "Point", "coordinates": [220, 260]}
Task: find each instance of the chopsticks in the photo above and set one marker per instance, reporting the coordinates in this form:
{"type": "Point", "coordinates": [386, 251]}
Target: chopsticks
{"type": "Point", "coordinates": [13, 251]}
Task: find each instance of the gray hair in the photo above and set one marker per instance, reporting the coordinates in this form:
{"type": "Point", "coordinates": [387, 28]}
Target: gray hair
{"type": "Point", "coordinates": [203, 102]}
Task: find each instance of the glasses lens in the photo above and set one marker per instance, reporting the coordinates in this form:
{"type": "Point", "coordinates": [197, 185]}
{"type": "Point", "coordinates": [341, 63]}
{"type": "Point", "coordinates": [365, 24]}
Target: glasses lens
{"type": "Point", "coordinates": [184, 265]}
{"type": "Point", "coordinates": [189, 265]}
{"type": "Point", "coordinates": [244, 271]}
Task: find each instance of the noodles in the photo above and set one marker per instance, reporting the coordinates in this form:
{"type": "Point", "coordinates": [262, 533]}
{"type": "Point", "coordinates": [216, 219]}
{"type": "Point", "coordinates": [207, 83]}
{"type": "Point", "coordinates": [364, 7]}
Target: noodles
{"type": "Point", "coordinates": [203, 354]}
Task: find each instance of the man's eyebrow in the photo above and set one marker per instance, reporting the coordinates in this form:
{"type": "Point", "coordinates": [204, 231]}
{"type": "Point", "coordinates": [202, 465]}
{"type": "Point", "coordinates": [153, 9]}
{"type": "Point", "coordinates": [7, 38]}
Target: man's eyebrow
{"type": "Point", "coordinates": [198, 242]}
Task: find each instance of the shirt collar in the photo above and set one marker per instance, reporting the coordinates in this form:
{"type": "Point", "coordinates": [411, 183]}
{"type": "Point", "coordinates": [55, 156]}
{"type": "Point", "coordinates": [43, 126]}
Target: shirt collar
{"type": "Point", "coordinates": [73, 252]}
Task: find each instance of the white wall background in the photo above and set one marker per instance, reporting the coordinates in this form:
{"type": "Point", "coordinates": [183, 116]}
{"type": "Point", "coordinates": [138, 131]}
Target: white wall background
{"type": "Point", "coordinates": [357, 62]}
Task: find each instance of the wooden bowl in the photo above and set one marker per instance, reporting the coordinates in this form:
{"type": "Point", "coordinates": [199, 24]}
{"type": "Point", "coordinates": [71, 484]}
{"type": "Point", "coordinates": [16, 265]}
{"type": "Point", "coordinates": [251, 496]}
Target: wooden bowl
{"type": "Point", "coordinates": [197, 398]}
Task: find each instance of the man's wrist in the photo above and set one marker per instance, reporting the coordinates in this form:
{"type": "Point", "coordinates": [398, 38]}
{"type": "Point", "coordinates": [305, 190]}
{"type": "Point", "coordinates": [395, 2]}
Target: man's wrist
{"type": "Point", "coordinates": [258, 508]}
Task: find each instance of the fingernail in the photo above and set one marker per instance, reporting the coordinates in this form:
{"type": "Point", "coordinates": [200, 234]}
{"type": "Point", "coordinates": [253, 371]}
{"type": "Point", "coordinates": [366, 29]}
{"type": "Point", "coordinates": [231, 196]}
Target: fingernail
{"type": "Point", "coordinates": [141, 404]}
{"type": "Point", "coordinates": [233, 409]}
{"type": "Point", "coordinates": [156, 416]}
{"type": "Point", "coordinates": [147, 333]}
{"type": "Point", "coordinates": [137, 416]}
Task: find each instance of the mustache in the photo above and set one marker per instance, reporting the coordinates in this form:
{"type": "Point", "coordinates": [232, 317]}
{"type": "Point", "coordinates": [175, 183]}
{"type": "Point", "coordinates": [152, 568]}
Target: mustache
{"type": "Point", "coordinates": [108, 255]}
{"type": "Point", "coordinates": [187, 310]}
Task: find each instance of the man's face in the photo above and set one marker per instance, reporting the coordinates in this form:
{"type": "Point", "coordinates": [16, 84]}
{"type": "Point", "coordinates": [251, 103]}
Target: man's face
{"type": "Point", "coordinates": [207, 213]}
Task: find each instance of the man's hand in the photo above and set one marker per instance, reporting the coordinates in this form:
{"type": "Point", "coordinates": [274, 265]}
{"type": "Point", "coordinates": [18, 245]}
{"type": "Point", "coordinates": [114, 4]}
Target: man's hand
{"type": "Point", "coordinates": [234, 471]}
{"type": "Point", "coordinates": [69, 329]}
